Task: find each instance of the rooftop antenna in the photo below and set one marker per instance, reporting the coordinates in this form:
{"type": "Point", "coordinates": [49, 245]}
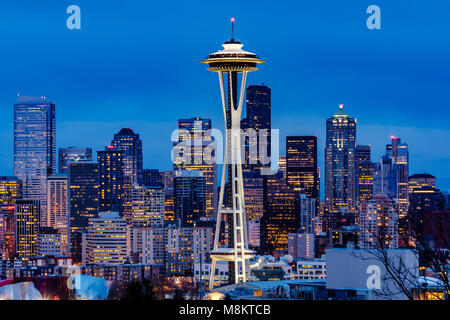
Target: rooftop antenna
{"type": "Point", "coordinates": [232, 28]}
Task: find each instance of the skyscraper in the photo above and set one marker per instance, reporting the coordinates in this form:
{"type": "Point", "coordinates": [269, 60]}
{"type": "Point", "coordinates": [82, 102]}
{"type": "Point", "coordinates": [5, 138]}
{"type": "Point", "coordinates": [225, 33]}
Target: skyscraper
{"type": "Point", "coordinates": [27, 214]}
{"type": "Point", "coordinates": [83, 201]}
{"type": "Point", "coordinates": [147, 206]}
{"type": "Point", "coordinates": [10, 191]}
{"type": "Point", "coordinates": [258, 118]}
{"type": "Point", "coordinates": [57, 208]}
{"type": "Point", "coordinates": [378, 223]}
{"type": "Point", "coordinates": [106, 241]}
{"type": "Point", "coordinates": [67, 155]}
{"type": "Point", "coordinates": [169, 195]}
{"type": "Point", "coordinates": [419, 180]}
{"type": "Point", "coordinates": [301, 165]}
{"type": "Point", "coordinates": [281, 215]}
{"type": "Point", "coordinates": [398, 151]}
{"type": "Point", "coordinates": [34, 147]}
{"type": "Point", "coordinates": [308, 208]}
{"type": "Point", "coordinates": [196, 132]}
{"type": "Point", "coordinates": [365, 169]}
{"type": "Point", "coordinates": [130, 145]}
{"type": "Point", "coordinates": [190, 197]}
{"type": "Point", "coordinates": [340, 163]}
{"type": "Point", "coordinates": [110, 179]}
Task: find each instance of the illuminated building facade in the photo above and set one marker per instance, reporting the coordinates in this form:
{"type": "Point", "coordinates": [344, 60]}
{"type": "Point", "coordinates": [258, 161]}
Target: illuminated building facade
{"type": "Point", "coordinates": [49, 242]}
{"type": "Point", "coordinates": [424, 200]}
{"type": "Point", "coordinates": [301, 165]}
{"type": "Point", "coordinates": [169, 195]}
{"type": "Point", "coordinates": [67, 155]}
{"type": "Point", "coordinates": [148, 204]}
{"type": "Point", "coordinates": [258, 118]}
{"type": "Point", "coordinates": [364, 173]}
{"type": "Point", "coordinates": [153, 177]}
{"type": "Point", "coordinates": [196, 133]}
{"type": "Point", "coordinates": [107, 239]}
{"type": "Point", "coordinates": [282, 165]}
{"type": "Point", "coordinates": [190, 197]}
{"type": "Point", "coordinates": [378, 223]}
{"type": "Point", "coordinates": [420, 180]}
{"type": "Point", "coordinates": [130, 145]}
{"type": "Point", "coordinates": [340, 163]}
{"type": "Point", "coordinates": [398, 151]}
{"type": "Point", "coordinates": [57, 208]}
{"type": "Point", "coordinates": [301, 245]}
{"type": "Point", "coordinates": [27, 214]}
{"type": "Point", "coordinates": [110, 179]}
{"type": "Point", "coordinates": [83, 201]}
{"type": "Point", "coordinates": [34, 147]}
{"type": "Point", "coordinates": [281, 215]}
{"type": "Point", "coordinates": [10, 191]}
{"type": "Point", "coordinates": [253, 195]}
{"type": "Point", "coordinates": [308, 208]}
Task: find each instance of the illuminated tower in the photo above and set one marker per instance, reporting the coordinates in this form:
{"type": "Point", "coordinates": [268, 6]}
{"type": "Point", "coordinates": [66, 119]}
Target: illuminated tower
{"type": "Point", "coordinates": [229, 63]}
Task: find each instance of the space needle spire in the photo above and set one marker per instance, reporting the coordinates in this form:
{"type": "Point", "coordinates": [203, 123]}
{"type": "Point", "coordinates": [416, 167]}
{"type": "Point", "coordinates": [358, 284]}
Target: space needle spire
{"type": "Point", "coordinates": [232, 65]}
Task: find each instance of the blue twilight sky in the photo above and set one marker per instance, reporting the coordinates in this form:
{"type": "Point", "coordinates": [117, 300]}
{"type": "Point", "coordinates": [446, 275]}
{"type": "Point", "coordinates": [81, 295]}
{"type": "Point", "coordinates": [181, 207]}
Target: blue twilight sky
{"type": "Point", "coordinates": [137, 64]}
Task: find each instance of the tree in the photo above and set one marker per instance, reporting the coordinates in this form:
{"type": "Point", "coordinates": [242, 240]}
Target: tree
{"type": "Point", "coordinates": [138, 290]}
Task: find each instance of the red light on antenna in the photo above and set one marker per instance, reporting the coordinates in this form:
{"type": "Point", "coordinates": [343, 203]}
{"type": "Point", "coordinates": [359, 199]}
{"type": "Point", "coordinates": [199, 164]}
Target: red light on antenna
{"type": "Point", "coordinates": [232, 19]}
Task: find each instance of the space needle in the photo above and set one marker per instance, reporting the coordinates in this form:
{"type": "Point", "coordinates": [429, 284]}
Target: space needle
{"type": "Point", "coordinates": [232, 63]}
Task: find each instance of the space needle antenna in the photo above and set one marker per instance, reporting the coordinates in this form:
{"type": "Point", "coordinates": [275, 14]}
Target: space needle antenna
{"type": "Point", "coordinates": [232, 28]}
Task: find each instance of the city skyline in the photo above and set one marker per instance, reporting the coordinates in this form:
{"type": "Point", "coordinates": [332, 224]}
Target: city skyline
{"type": "Point", "coordinates": [183, 198]}
{"type": "Point", "coordinates": [372, 73]}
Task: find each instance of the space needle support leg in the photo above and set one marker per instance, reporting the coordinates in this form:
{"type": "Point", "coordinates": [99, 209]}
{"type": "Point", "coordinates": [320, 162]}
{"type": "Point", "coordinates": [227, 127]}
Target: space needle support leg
{"type": "Point", "coordinates": [222, 188]}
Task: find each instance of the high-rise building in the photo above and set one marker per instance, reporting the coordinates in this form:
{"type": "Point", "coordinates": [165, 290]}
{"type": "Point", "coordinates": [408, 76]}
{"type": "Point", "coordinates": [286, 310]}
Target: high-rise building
{"type": "Point", "coordinates": [153, 177]}
{"type": "Point", "coordinates": [378, 223]}
{"type": "Point", "coordinates": [254, 205]}
{"type": "Point", "coordinates": [27, 214]}
{"type": "Point", "coordinates": [385, 178]}
{"type": "Point", "coordinates": [282, 166]}
{"type": "Point", "coordinates": [422, 200]}
{"type": "Point", "coordinates": [398, 151]}
{"type": "Point", "coordinates": [301, 165]}
{"type": "Point", "coordinates": [307, 214]}
{"type": "Point", "coordinates": [83, 189]}
{"type": "Point", "coordinates": [258, 120]}
{"type": "Point", "coordinates": [111, 179]}
{"type": "Point", "coordinates": [420, 180]}
{"type": "Point", "coordinates": [48, 242]}
{"type": "Point", "coordinates": [67, 155]}
{"type": "Point", "coordinates": [107, 239]}
{"type": "Point", "coordinates": [190, 197]}
{"type": "Point", "coordinates": [340, 163]}
{"type": "Point", "coordinates": [281, 215]}
{"type": "Point", "coordinates": [148, 204]}
{"type": "Point", "coordinates": [10, 191]}
{"type": "Point", "coordinates": [364, 169]}
{"type": "Point", "coordinates": [130, 145]}
{"type": "Point", "coordinates": [253, 195]}
{"type": "Point", "coordinates": [301, 245]}
{"type": "Point", "coordinates": [169, 195]}
{"type": "Point", "coordinates": [34, 147]}
{"type": "Point", "coordinates": [195, 154]}
{"type": "Point", "coordinates": [58, 216]}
